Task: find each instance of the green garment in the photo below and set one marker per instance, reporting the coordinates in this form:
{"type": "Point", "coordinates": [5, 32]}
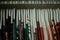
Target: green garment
{"type": "Point", "coordinates": [14, 30]}
{"type": "Point", "coordinates": [26, 32]}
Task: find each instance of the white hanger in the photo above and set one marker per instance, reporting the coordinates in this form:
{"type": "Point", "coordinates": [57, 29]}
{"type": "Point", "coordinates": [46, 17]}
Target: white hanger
{"type": "Point", "coordinates": [37, 14]}
{"type": "Point", "coordinates": [24, 18]}
{"type": "Point", "coordinates": [6, 13]}
{"type": "Point", "coordinates": [46, 18]}
{"type": "Point", "coordinates": [54, 15]}
{"type": "Point", "coordinates": [3, 17]}
{"type": "Point", "coordinates": [17, 14]}
{"type": "Point", "coordinates": [14, 13]}
{"type": "Point", "coordinates": [40, 21]}
{"type": "Point", "coordinates": [51, 14]}
{"type": "Point", "coordinates": [57, 15]}
{"type": "Point", "coordinates": [9, 11]}
{"type": "Point", "coordinates": [22, 15]}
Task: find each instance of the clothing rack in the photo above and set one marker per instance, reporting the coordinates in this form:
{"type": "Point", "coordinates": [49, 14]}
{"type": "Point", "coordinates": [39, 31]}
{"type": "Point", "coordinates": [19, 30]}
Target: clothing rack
{"type": "Point", "coordinates": [19, 23]}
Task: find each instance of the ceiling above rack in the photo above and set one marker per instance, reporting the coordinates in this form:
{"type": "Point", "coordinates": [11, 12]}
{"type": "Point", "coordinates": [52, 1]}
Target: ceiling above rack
{"type": "Point", "coordinates": [29, 2]}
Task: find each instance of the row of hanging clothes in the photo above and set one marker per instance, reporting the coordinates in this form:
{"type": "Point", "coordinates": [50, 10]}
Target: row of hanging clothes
{"type": "Point", "coordinates": [30, 24]}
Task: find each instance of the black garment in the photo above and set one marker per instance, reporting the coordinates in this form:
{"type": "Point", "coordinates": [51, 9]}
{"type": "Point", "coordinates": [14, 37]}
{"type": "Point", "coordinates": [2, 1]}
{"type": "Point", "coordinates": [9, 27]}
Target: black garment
{"type": "Point", "coordinates": [0, 34]}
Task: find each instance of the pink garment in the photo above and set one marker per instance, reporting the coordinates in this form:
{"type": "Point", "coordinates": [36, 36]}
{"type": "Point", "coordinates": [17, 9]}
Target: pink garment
{"type": "Point", "coordinates": [50, 33]}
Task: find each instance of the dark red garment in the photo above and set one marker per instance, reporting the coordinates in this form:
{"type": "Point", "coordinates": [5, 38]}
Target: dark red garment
{"type": "Point", "coordinates": [21, 31]}
{"type": "Point", "coordinates": [36, 34]}
{"type": "Point", "coordinates": [58, 30]}
{"type": "Point", "coordinates": [39, 32]}
{"type": "Point", "coordinates": [42, 33]}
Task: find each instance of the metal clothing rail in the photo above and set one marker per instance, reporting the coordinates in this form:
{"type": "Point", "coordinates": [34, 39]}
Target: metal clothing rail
{"type": "Point", "coordinates": [30, 6]}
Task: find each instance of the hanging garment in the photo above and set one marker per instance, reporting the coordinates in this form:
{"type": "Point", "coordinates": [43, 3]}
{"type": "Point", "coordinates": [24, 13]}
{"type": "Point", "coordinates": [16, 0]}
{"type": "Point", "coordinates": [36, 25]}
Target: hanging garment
{"type": "Point", "coordinates": [44, 24]}
{"type": "Point", "coordinates": [26, 32]}
{"type": "Point", "coordinates": [39, 37]}
{"type": "Point", "coordinates": [55, 21]}
{"type": "Point", "coordinates": [52, 26]}
{"type": "Point", "coordinates": [48, 28]}
{"type": "Point", "coordinates": [0, 23]}
{"type": "Point", "coordinates": [22, 31]}
{"type": "Point", "coordinates": [58, 24]}
{"type": "Point", "coordinates": [21, 25]}
{"type": "Point", "coordinates": [38, 34]}
{"type": "Point", "coordinates": [0, 34]}
{"type": "Point", "coordinates": [47, 23]}
{"type": "Point", "coordinates": [49, 33]}
{"type": "Point", "coordinates": [15, 26]}
{"type": "Point", "coordinates": [42, 33]}
{"type": "Point", "coordinates": [58, 30]}
{"type": "Point", "coordinates": [24, 23]}
{"type": "Point", "coordinates": [14, 30]}
{"type": "Point", "coordinates": [7, 29]}
{"type": "Point", "coordinates": [41, 27]}
{"type": "Point", "coordinates": [26, 29]}
{"type": "Point", "coordinates": [10, 26]}
{"type": "Point", "coordinates": [1, 26]}
{"type": "Point", "coordinates": [33, 23]}
{"type": "Point", "coordinates": [29, 25]}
